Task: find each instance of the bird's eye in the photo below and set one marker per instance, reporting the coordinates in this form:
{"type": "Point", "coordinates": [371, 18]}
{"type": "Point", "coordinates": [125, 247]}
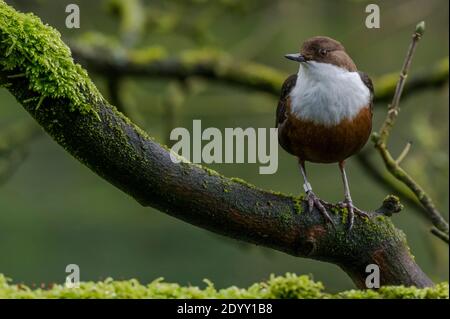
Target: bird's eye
{"type": "Point", "coordinates": [323, 52]}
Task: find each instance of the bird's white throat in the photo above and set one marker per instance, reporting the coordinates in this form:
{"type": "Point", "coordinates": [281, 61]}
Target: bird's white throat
{"type": "Point", "coordinates": [327, 94]}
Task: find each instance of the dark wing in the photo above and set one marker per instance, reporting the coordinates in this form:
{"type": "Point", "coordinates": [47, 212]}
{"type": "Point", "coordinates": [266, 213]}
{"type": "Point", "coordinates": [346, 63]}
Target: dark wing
{"type": "Point", "coordinates": [288, 85]}
{"type": "Point", "coordinates": [368, 82]}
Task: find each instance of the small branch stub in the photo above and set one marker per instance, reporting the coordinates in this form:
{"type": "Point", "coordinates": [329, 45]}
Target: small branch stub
{"type": "Point", "coordinates": [404, 153]}
{"type": "Point", "coordinates": [391, 205]}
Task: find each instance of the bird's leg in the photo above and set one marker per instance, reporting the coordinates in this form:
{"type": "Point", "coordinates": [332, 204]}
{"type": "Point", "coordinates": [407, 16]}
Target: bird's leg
{"type": "Point", "coordinates": [313, 200]}
{"type": "Point", "coordinates": [348, 203]}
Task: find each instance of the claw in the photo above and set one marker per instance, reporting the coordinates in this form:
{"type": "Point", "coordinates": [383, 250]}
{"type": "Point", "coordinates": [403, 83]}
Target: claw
{"type": "Point", "coordinates": [314, 201]}
{"type": "Point", "coordinates": [352, 210]}
{"type": "Point", "coordinates": [361, 212]}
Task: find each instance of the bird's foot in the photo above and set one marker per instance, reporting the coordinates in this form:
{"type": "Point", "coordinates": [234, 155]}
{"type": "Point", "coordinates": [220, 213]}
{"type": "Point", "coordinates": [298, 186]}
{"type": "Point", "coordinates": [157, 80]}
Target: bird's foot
{"type": "Point", "coordinates": [352, 210]}
{"type": "Point", "coordinates": [316, 202]}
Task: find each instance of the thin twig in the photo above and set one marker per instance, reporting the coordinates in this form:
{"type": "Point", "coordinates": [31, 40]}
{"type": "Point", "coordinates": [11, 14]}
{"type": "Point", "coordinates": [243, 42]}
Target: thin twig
{"type": "Point", "coordinates": [403, 154]}
{"type": "Point", "coordinates": [381, 138]}
{"type": "Point", "coordinates": [439, 234]}
{"type": "Point", "coordinates": [14, 76]}
{"type": "Point", "coordinates": [394, 107]}
{"type": "Point", "coordinates": [386, 180]}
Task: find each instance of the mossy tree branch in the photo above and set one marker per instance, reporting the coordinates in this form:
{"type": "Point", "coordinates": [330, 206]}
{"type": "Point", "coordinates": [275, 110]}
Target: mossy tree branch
{"type": "Point", "coordinates": [62, 99]}
{"type": "Point", "coordinates": [393, 165]}
{"type": "Point", "coordinates": [221, 67]}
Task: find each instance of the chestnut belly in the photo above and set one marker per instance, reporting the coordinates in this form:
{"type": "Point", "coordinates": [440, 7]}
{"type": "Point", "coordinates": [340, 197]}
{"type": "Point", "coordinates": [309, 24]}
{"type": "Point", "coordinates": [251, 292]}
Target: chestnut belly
{"type": "Point", "coordinates": [325, 144]}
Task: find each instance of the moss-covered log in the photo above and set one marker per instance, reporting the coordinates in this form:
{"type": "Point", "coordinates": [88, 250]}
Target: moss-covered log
{"type": "Point", "coordinates": [289, 286]}
{"type": "Point", "coordinates": [37, 68]}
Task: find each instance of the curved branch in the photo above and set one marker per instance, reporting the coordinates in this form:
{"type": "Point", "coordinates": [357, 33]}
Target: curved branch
{"type": "Point", "coordinates": [219, 66]}
{"type": "Point", "coordinates": [209, 64]}
{"type": "Point", "coordinates": [384, 179]}
{"type": "Point", "coordinates": [79, 119]}
{"type": "Point", "coordinates": [381, 138]}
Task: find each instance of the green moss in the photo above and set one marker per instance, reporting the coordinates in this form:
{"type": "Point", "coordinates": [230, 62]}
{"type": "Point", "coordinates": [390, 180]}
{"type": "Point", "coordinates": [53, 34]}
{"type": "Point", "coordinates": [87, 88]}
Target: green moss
{"type": "Point", "coordinates": [440, 291]}
{"type": "Point", "coordinates": [189, 165]}
{"type": "Point", "coordinates": [242, 182]}
{"type": "Point", "coordinates": [392, 198]}
{"type": "Point", "coordinates": [378, 227]}
{"type": "Point", "coordinates": [298, 208]}
{"type": "Point", "coordinates": [286, 217]}
{"type": "Point", "coordinates": [224, 66]}
{"type": "Point", "coordinates": [344, 212]}
{"type": "Point", "coordinates": [147, 55]}
{"type": "Point", "coordinates": [289, 286]}
{"type": "Point", "coordinates": [101, 44]}
{"type": "Point", "coordinates": [335, 210]}
{"type": "Point", "coordinates": [256, 73]}
{"type": "Point", "coordinates": [35, 51]}
{"type": "Point", "coordinates": [190, 58]}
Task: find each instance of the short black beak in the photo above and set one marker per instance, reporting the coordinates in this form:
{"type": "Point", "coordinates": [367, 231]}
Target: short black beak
{"type": "Point", "coordinates": [295, 57]}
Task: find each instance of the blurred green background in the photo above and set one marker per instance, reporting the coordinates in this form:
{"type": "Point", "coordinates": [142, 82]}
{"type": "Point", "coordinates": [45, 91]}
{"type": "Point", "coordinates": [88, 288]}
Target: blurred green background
{"type": "Point", "coordinates": [54, 211]}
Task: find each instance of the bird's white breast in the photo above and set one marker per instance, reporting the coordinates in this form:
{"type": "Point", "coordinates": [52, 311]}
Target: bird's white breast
{"type": "Point", "coordinates": [326, 94]}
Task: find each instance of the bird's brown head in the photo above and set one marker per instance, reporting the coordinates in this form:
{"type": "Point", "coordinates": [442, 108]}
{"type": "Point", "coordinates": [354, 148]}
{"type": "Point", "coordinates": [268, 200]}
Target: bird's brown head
{"type": "Point", "coordinates": [323, 50]}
